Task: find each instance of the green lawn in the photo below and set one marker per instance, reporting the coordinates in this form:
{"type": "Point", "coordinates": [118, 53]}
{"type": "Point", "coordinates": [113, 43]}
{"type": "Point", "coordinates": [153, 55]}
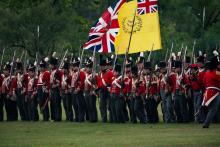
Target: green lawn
{"type": "Point", "coordinates": [99, 134]}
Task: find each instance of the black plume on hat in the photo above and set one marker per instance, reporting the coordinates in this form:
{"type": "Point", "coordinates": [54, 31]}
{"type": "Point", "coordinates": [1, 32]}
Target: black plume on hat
{"type": "Point", "coordinates": [31, 67]}
{"type": "Point", "coordinates": [134, 70]}
{"type": "Point", "coordinates": [147, 65]}
{"type": "Point", "coordinates": [89, 63]}
{"type": "Point", "coordinates": [129, 62]}
{"type": "Point", "coordinates": [76, 62]}
{"type": "Point", "coordinates": [54, 59]}
{"type": "Point", "coordinates": [7, 66]}
{"type": "Point", "coordinates": [141, 58]}
{"type": "Point", "coordinates": [19, 65]}
{"type": "Point", "coordinates": [178, 64]}
{"type": "Point", "coordinates": [188, 59]}
{"type": "Point", "coordinates": [44, 61]}
{"type": "Point", "coordinates": [102, 61]}
{"type": "Point", "coordinates": [118, 68]}
{"type": "Point", "coordinates": [162, 64]}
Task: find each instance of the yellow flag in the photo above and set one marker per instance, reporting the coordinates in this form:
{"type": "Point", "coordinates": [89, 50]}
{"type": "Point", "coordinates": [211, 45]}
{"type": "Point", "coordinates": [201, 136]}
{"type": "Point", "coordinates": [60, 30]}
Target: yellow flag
{"type": "Point", "coordinates": [146, 31]}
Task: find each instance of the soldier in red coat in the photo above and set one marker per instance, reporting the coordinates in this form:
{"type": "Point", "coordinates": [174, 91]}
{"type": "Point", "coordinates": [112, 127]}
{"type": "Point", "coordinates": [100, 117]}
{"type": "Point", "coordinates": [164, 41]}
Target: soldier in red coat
{"type": "Point", "coordinates": [77, 84]}
{"type": "Point", "coordinates": [180, 105]}
{"type": "Point", "coordinates": [162, 89]}
{"type": "Point", "coordinates": [55, 87]}
{"type": "Point", "coordinates": [117, 100]}
{"type": "Point", "coordinates": [104, 84]}
{"type": "Point", "coordinates": [32, 94]}
{"type": "Point", "coordinates": [212, 93]}
{"type": "Point", "coordinates": [151, 93]}
{"type": "Point", "coordinates": [1, 98]}
{"type": "Point", "coordinates": [18, 89]}
{"type": "Point", "coordinates": [9, 95]}
{"type": "Point", "coordinates": [90, 90]}
{"type": "Point", "coordinates": [43, 89]}
{"type": "Point", "coordinates": [66, 93]}
{"type": "Point", "coordinates": [129, 101]}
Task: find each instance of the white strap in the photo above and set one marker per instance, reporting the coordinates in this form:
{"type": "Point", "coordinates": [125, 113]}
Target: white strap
{"type": "Point", "coordinates": [87, 79]}
{"type": "Point", "coordinates": [116, 82]}
{"type": "Point", "coordinates": [103, 81]}
{"type": "Point", "coordinates": [216, 88]}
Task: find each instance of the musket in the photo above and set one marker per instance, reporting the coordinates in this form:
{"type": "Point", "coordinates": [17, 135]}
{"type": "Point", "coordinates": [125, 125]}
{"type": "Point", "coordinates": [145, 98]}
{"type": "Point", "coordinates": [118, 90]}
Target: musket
{"type": "Point", "coordinates": [3, 53]}
{"type": "Point", "coordinates": [71, 57]}
{"type": "Point", "coordinates": [116, 57]}
{"type": "Point", "coordinates": [62, 61]}
{"type": "Point", "coordinates": [150, 79]}
{"type": "Point", "coordinates": [149, 56]}
{"type": "Point", "coordinates": [181, 51]}
{"type": "Point", "coordinates": [21, 57]}
{"type": "Point", "coordinates": [127, 50]}
{"type": "Point", "coordinates": [193, 51]}
{"type": "Point", "coordinates": [166, 55]}
{"type": "Point", "coordinates": [80, 66]}
{"type": "Point", "coordinates": [12, 66]}
{"type": "Point", "coordinates": [183, 62]}
{"type": "Point", "coordinates": [169, 60]}
{"type": "Point", "coordinates": [37, 68]}
{"type": "Point", "coordinates": [25, 62]}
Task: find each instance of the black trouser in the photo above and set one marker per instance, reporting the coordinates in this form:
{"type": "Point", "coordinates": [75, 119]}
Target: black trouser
{"type": "Point", "coordinates": [104, 104]}
{"type": "Point", "coordinates": [151, 108]}
{"type": "Point", "coordinates": [117, 104]}
{"type": "Point", "coordinates": [131, 106]}
{"type": "Point", "coordinates": [67, 104]}
{"type": "Point", "coordinates": [190, 104]}
{"type": "Point", "coordinates": [139, 109]}
{"type": "Point", "coordinates": [32, 107]}
{"type": "Point", "coordinates": [20, 103]}
{"type": "Point", "coordinates": [81, 104]}
{"type": "Point", "coordinates": [212, 110]}
{"type": "Point", "coordinates": [1, 107]}
{"type": "Point", "coordinates": [56, 102]}
{"type": "Point", "coordinates": [43, 103]}
{"type": "Point", "coordinates": [75, 106]}
{"type": "Point", "coordinates": [180, 107]}
{"type": "Point", "coordinates": [11, 109]}
{"type": "Point", "coordinates": [91, 106]}
{"type": "Point", "coordinates": [125, 110]}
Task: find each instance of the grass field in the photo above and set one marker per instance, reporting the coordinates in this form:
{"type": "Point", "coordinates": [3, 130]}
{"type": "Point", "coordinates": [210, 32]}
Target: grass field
{"type": "Point", "coordinates": [99, 134]}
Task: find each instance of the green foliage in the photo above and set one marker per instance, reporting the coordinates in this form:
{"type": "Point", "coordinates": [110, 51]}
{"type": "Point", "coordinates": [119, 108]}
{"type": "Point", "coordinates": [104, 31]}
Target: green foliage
{"type": "Point", "coordinates": [65, 24]}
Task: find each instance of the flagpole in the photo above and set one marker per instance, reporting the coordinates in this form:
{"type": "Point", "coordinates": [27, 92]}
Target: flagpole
{"type": "Point", "coordinates": [129, 44]}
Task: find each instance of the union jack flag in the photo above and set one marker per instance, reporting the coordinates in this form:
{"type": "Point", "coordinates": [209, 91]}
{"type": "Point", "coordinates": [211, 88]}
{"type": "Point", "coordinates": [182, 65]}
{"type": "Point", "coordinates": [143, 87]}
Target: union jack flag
{"type": "Point", "coordinates": [147, 6]}
{"type": "Point", "coordinates": [102, 34]}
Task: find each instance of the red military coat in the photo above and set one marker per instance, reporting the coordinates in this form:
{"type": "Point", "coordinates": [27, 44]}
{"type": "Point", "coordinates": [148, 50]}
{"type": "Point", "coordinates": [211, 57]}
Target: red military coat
{"type": "Point", "coordinates": [212, 86]}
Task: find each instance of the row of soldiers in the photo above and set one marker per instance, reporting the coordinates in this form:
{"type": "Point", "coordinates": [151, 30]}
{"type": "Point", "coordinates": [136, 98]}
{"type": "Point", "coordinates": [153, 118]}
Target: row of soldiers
{"type": "Point", "coordinates": [182, 89]}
